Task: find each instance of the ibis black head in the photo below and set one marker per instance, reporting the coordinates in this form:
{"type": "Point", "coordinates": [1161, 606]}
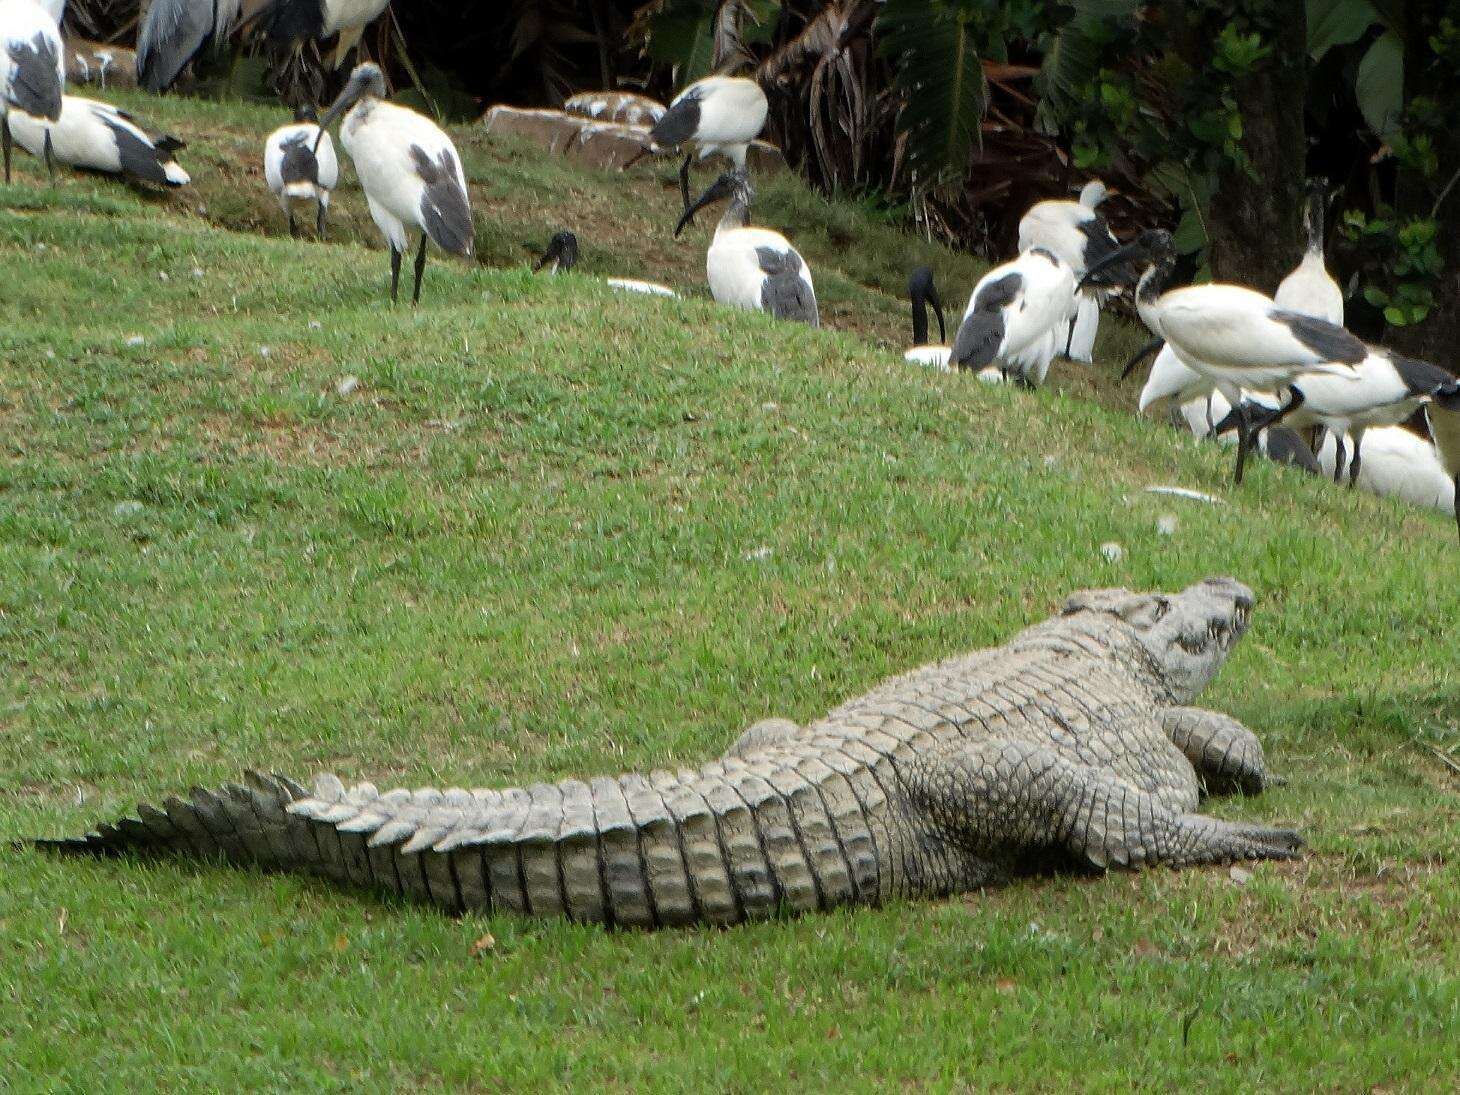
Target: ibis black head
{"type": "Point", "coordinates": [1151, 248]}
{"type": "Point", "coordinates": [733, 185]}
{"type": "Point", "coordinates": [366, 82]}
{"type": "Point", "coordinates": [1313, 211]}
{"type": "Point", "coordinates": [562, 252]}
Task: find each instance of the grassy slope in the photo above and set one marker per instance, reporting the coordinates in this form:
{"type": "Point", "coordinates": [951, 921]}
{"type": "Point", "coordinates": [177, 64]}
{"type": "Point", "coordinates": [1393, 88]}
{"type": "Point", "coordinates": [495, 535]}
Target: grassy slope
{"type": "Point", "coordinates": [519, 551]}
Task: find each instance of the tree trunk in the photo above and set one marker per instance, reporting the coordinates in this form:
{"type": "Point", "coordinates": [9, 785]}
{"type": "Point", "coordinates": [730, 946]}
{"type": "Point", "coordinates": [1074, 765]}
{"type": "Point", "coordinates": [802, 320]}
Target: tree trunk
{"type": "Point", "coordinates": [1436, 338]}
{"type": "Point", "coordinates": [1256, 224]}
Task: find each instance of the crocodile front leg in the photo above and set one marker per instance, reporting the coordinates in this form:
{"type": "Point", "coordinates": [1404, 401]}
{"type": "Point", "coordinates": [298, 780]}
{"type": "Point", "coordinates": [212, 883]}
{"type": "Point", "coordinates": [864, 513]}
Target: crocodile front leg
{"type": "Point", "coordinates": [996, 798]}
{"type": "Point", "coordinates": [1226, 755]}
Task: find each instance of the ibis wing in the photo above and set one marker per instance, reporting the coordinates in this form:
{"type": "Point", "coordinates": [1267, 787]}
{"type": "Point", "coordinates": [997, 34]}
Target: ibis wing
{"type": "Point", "coordinates": [298, 163]}
{"type": "Point", "coordinates": [445, 211]}
{"type": "Point", "coordinates": [35, 74]}
{"type": "Point", "coordinates": [173, 32]}
{"type": "Point", "coordinates": [786, 292]}
{"type": "Point", "coordinates": [679, 122]}
{"type": "Point", "coordinates": [1229, 326]}
{"type": "Point", "coordinates": [138, 156]}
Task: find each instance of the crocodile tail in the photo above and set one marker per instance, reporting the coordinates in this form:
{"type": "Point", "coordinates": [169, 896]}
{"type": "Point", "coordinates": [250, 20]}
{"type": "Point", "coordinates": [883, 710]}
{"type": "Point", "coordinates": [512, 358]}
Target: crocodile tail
{"type": "Point", "coordinates": [719, 846]}
{"type": "Point", "coordinates": [273, 823]}
{"type": "Point", "coordinates": [624, 851]}
{"type": "Point", "coordinates": [243, 824]}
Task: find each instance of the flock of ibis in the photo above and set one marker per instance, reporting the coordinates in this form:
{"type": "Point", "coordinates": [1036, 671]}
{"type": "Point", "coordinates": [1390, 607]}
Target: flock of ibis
{"type": "Point", "coordinates": [1228, 357]}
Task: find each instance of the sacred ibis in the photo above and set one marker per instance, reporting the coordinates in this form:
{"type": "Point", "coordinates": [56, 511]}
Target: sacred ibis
{"type": "Point", "coordinates": [752, 268]}
{"type": "Point", "coordinates": [301, 168]}
{"type": "Point", "coordinates": [1399, 464]}
{"type": "Point", "coordinates": [717, 114]}
{"type": "Point", "coordinates": [1016, 316]}
{"type": "Point", "coordinates": [1444, 420]}
{"type": "Point", "coordinates": [1310, 289]}
{"type": "Point", "coordinates": [97, 136]}
{"type": "Point", "coordinates": [32, 70]}
{"type": "Point", "coordinates": [409, 170]}
{"type": "Point", "coordinates": [922, 292]}
{"type": "Point", "coordinates": [561, 253]}
{"type": "Point", "coordinates": [174, 32]}
{"type": "Point", "coordinates": [1384, 389]}
{"type": "Point", "coordinates": [1233, 335]}
{"type": "Point", "coordinates": [1080, 237]}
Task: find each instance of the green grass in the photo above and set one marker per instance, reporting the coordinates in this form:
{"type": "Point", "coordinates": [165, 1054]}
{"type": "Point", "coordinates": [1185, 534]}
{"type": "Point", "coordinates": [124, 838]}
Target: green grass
{"type": "Point", "coordinates": [527, 546]}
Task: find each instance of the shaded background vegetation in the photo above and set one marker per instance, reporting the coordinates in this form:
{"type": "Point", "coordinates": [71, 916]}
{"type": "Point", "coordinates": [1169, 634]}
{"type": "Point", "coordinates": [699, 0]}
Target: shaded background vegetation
{"type": "Point", "coordinates": [1205, 115]}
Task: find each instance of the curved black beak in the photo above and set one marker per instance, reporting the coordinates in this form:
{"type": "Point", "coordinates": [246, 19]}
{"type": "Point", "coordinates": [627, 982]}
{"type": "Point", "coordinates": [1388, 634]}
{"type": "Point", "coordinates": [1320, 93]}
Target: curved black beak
{"type": "Point", "coordinates": [1152, 347]}
{"type": "Point", "coordinates": [1115, 258]}
{"type": "Point", "coordinates": [347, 98]}
{"type": "Point", "coordinates": [703, 200]}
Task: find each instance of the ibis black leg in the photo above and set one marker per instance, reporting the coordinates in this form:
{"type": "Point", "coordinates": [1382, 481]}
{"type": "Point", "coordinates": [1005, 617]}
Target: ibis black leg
{"type": "Point", "coordinates": [293, 227]}
{"type": "Point", "coordinates": [50, 158]}
{"type": "Point", "coordinates": [684, 181]}
{"type": "Point", "coordinates": [319, 211]}
{"type": "Point", "coordinates": [420, 269]}
{"type": "Point", "coordinates": [1356, 459]}
{"type": "Point", "coordinates": [5, 141]}
{"type": "Point", "coordinates": [1340, 457]}
{"type": "Point", "coordinates": [1244, 439]}
{"type": "Point", "coordinates": [394, 273]}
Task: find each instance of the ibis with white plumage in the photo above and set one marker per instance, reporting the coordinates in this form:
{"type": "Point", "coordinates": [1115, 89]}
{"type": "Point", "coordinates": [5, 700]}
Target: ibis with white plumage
{"type": "Point", "coordinates": [1235, 336]}
{"type": "Point", "coordinates": [719, 114]}
{"type": "Point", "coordinates": [1078, 234]}
{"type": "Point", "coordinates": [96, 136]}
{"type": "Point", "coordinates": [1385, 389]}
{"type": "Point", "coordinates": [1016, 316]}
{"type": "Point", "coordinates": [749, 267]}
{"type": "Point", "coordinates": [1310, 288]}
{"type": "Point", "coordinates": [301, 168]}
{"type": "Point", "coordinates": [32, 69]}
{"type": "Point", "coordinates": [409, 170]}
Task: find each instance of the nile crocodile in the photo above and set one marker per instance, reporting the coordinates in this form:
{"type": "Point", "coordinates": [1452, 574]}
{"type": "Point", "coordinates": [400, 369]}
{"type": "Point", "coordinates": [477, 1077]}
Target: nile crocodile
{"type": "Point", "coordinates": [1072, 739]}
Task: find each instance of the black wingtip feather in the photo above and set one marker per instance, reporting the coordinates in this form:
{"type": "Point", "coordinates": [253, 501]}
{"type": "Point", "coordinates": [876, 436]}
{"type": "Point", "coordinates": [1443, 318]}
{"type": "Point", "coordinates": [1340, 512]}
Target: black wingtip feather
{"type": "Point", "coordinates": [444, 206]}
{"type": "Point", "coordinates": [679, 123]}
{"type": "Point", "coordinates": [1326, 340]}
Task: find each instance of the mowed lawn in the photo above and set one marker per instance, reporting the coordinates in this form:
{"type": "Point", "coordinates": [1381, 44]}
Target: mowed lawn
{"type": "Point", "coordinates": [556, 531]}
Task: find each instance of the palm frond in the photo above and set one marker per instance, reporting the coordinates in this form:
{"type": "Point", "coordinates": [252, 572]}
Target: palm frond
{"type": "Point", "coordinates": [934, 48]}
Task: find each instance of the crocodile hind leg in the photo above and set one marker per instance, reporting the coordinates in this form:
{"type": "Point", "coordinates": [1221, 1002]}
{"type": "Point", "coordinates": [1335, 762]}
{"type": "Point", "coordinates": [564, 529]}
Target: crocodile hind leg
{"type": "Point", "coordinates": [765, 734]}
{"type": "Point", "coordinates": [1226, 755]}
{"type": "Point", "coordinates": [999, 797]}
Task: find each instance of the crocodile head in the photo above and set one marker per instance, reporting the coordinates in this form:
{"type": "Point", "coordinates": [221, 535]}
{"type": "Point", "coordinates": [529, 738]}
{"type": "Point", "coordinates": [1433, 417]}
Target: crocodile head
{"type": "Point", "coordinates": [1187, 634]}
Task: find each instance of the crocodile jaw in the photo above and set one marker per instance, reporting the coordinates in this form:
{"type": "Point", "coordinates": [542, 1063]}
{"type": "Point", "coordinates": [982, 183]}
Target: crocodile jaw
{"type": "Point", "coordinates": [1188, 634]}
